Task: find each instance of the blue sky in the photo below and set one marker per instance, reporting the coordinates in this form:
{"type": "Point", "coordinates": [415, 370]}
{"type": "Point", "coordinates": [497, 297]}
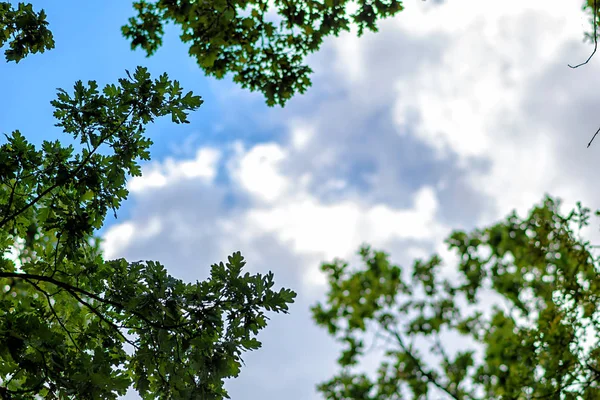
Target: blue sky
{"type": "Point", "coordinates": [451, 116]}
{"type": "Point", "coordinates": [89, 46]}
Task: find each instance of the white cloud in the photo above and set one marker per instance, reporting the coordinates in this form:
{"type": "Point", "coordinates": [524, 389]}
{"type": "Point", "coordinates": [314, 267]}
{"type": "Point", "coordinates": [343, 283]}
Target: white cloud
{"type": "Point", "coordinates": [301, 135]}
{"type": "Point", "coordinates": [470, 102]}
{"type": "Point", "coordinates": [284, 209]}
{"type": "Point", "coordinates": [257, 172]}
{"type": "Point", "coordinates": [336, 230]}
{"type": "Point", "coordinates": [118, 237]}
{"type": "Point", "coordinates": [157, 175]}
{"type": "Point", "coordinates": [476, 67]}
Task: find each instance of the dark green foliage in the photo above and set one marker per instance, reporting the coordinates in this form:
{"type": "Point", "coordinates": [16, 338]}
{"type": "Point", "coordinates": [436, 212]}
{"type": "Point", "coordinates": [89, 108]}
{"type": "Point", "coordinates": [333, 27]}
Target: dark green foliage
{"type": "Point", "coordinates": [66, 314]}
{"type": "Point", "coordinates": [236, 36]}
{"type": "Point", "coordinates": [225, 36]}
{"type": "Point", "coordinates": [25, 30]}
{"type": "Point", "coordinates": [534, 348]}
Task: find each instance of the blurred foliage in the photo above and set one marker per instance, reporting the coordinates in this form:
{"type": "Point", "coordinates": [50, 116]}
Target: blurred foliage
{"type": "Point", "coordinates": [592, 7]}
{"type": "Point", "coordinates": [532, 344]}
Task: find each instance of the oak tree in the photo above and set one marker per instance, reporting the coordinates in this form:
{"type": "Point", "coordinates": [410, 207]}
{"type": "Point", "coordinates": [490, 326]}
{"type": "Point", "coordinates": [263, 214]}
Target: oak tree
{"type": "Point", "coordinates": [67, 316]}
{"type": "Point", "coordinates": [72, 324]}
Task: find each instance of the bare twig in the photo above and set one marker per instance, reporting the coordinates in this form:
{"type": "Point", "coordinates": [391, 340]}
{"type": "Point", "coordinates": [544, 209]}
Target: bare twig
{"type": "Point", "coordinates": [595, 41]}
{"type": "Point", "coordinates": [593, 137]}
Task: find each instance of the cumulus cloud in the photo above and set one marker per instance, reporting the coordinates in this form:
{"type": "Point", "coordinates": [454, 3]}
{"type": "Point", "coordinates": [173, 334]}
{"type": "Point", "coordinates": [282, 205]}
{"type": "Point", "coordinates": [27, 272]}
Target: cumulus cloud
{"type": "Point", "coordinates": [286, 229]}
{"type": "Point", "coordinates": [171, 171]}
{"type": "Point", "coordinates": [449, 117]}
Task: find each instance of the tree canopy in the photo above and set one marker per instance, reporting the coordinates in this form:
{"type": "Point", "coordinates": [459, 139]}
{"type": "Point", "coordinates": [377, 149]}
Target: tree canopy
{"type": "Point", "coordinates": [243, 38]}
{"type": "Point", "coordinates": [238, 37]}
{"type": "Point", "coordinates": [66, 314]}
{"type": "Point", "coordinates": [72, 324]}
{"type": "Point", "coordinates": [25, 31]}
{"type": "Point", "coordinates": [539, 341]}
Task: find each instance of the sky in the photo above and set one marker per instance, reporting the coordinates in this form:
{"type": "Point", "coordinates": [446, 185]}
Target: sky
{"type": "Point", "coordinates": [449, 117]}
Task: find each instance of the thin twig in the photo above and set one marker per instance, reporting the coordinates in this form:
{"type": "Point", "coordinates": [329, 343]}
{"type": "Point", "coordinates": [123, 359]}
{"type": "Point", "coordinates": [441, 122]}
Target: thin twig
{"type": "Point", "coordinates": [595, 40]}
{"type": "Point", "coordinates": [48, 298]}
{"type": "Point", "coordinates": [73, 290]}
{"type": "Point", "coordinates": [593, 137]}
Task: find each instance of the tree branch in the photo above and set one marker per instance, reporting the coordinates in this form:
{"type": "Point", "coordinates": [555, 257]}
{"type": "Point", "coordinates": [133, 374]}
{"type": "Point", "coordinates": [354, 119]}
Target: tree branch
{"type": "Point", "coordinates": [430, 378]}
{"type": "Point", "coordinates": [48, 298]}
{"type": "Point", "coordinates": [74, 291]}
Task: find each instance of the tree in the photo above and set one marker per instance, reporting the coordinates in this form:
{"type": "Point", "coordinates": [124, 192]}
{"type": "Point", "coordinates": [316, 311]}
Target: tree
{"type": "Point", "coordinates": [67, 314]}
{"type": "Point", "coordinates": [532, 345]}
{"type": "Point", "coordinates": [73, 325]}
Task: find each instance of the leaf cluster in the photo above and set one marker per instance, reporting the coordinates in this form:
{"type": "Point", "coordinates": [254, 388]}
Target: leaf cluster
{"type": "Point", "coordinates": [25, 31]}
{"type": "Point", "coordinates": [531, 345]}
{"type": "Point", "coordinates": [237, 36]}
